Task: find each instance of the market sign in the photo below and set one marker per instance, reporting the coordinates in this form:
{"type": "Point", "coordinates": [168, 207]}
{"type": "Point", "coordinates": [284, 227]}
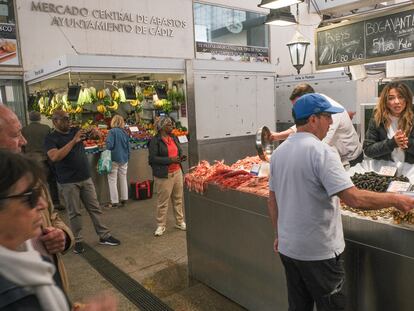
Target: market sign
{"type": "Point", "coordinates": [83, 18]}
{"type": "Point", "coordinates": [380, 37]}
{"type": "Point", "coordinates": [8, 45]}
{"type": "Point", "coordinates": [219, 51]}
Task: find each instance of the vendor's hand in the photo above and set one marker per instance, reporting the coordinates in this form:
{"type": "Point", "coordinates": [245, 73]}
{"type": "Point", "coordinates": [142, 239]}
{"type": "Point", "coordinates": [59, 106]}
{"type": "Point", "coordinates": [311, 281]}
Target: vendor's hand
{"type": "Point", "coordinates": [405, 203]}
{"type": "Point", "coordinates": [351, 114]}
{"type": "Point", "coordinates": [276, 245]}
{"type": "Point", "coordinates": [175, 159]}
{"type": "Point", "coordinates": [53, 239]}
{"type": "Point", "coordinates": [401, 139]}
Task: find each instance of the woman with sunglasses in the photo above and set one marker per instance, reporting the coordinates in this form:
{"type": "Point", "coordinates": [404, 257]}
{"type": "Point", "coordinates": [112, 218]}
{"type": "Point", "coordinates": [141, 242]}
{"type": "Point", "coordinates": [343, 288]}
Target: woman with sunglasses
{"type": "Point", "coordinates": [26, 280]}
{"type": "Point", "coordinates": [390, 134]}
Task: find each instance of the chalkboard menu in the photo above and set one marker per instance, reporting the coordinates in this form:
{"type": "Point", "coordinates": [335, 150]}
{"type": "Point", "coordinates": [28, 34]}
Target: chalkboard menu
{"type": "Point", "coordinates": [384, 37]}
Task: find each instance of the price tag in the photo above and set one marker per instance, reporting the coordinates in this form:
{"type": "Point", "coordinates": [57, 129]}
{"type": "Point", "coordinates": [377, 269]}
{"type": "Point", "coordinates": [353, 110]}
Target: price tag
{"type": "Point", "coordinates": [182, 139]}
{"type": "Point", "coordinates": [255, 169]}
{"type": "Point", "coordinates": [264, 169]}
{"type": "Point", "coordinates": [133, 129]}
{"type": "Point", "coordinates": [398, 186]}
{"type": "Point", "coordinates": [387, 170]}
{"type": "Point", "coordinates": [409, 193]}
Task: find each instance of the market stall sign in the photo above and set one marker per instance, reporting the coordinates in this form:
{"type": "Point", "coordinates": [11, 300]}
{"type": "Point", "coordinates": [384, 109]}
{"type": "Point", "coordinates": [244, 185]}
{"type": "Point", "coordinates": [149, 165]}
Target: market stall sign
{"type": "Point", "coordinates": [83, 18]}
{"type": "Point", "coordinates": [229, 52]}
{"type": "Point", "coordinates": [381, 37]}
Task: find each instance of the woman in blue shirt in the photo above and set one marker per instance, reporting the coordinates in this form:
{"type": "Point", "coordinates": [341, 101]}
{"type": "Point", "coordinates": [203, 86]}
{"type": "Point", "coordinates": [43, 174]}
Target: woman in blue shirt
{"type": "Point", "coordinates": [118, 143]}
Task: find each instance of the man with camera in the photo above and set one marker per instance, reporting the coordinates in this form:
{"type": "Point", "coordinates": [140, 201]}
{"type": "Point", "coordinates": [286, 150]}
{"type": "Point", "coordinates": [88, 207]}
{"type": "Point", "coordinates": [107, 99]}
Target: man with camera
{"type": "Point", "coordinates": [65, 148]}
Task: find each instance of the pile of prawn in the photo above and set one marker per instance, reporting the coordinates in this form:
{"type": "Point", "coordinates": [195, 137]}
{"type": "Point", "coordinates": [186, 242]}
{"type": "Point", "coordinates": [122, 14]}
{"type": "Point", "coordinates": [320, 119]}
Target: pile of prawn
{"type": "Point", "coordinates": [236, 177]}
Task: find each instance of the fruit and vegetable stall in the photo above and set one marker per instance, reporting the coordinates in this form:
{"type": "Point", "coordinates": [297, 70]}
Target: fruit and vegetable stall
{"type": "Point", "coordinates": [230, 240]}
{"type": "Point", "coordinates": [139, 102]}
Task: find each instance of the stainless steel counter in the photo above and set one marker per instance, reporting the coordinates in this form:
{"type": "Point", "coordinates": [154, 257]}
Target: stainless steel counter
{"type": "Point", "coordinates": [230, 238]}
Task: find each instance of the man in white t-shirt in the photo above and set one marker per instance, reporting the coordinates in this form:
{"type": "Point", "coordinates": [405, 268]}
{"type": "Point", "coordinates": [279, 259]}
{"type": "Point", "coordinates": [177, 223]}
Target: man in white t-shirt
{"type": "Point", "coordinates": [306, 178]}
{"type": "Point", "coordinates": [341, 135]}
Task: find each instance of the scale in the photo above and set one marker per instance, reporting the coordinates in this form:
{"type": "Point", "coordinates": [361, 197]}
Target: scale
{"type": "Point", "coordinates": [264, 143]}
{"type": "Point", "coordinates": [264, 147]}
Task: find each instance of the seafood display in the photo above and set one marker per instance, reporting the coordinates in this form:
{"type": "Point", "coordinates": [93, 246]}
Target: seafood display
{"type": "Point", "coordinates": [375, 182]}
{"type": "Point", "coordinates": [236, 176]}
{"type": "Point", "coordinates": [379, 183]}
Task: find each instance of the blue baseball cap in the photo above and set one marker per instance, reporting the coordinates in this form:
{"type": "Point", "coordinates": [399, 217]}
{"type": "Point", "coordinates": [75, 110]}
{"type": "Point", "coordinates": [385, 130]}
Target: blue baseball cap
{"type": "Point", "coordinates": [310, 104]}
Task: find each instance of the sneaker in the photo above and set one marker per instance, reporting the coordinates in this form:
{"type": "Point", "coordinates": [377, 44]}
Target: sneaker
{"type": "Point", "coordinates": [181, 226]}
{"type": "Point", "coordinates": [78, 248]}
{"type": "Point", "coordinates": [160, 231]}
{"type": "Point", "coordinates": [116, 205]}
{"type": "Point", "coordinates": [124, 202]}
{"type": "Point", "coordinates": [109, 241]}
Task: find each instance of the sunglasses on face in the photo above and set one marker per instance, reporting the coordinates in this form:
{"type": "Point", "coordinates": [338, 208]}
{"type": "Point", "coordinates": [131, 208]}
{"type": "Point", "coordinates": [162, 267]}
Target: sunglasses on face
{"type": "Point", "coordinates": [31, 196]}
{"type": "Point", "coordinates": [65, 119]}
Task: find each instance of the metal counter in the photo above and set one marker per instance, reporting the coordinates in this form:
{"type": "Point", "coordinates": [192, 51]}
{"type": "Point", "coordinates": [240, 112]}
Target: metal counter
{"type": "Point", "coordinates": [138, 171]}
{"type": "Point", "coordinates": [230, 239]}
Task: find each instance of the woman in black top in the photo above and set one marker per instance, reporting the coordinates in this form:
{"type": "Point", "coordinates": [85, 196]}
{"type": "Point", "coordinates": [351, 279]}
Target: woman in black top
{"type": "Point", "coordinates": [390, 134]}
{"type": "Point", "coordinates": [165, 157]}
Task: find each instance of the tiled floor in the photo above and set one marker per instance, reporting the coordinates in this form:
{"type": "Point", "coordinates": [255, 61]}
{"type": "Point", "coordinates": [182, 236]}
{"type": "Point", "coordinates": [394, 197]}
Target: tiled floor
{"type": "Point", "coordinates": [158, 263]}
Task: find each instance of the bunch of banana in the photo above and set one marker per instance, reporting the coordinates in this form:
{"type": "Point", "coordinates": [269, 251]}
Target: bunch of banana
{"type": "Point", "coordinates": [114, 106]}
{"type": "Point", "coordinates": [148, 91]}
{"type": "Point", "coordinates": [103, 93]}
{"type": "Point", "coordinates": [78, 109]}
{"type": "Point", "coordinates": [134, 102]}
{"type": "Point", "coordinates": [159, 104]}
{"type": "Point", "coordinates": [115, 95]}
{"type": "Point", "coordinates": [101, 108]}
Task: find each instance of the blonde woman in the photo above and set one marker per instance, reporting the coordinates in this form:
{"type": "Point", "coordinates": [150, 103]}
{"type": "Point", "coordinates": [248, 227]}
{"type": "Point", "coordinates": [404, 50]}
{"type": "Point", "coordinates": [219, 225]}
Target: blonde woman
{"type": "Point", "coordinates": [390, 133]}
{"type": "Point", "coordinates": [118, 143]}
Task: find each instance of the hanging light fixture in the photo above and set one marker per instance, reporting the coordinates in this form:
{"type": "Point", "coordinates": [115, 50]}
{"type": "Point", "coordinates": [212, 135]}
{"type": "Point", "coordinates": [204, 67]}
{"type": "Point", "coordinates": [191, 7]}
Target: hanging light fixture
{"type": "Point", "coordinates": [276, 4]}
{"type": "Point", "coordinates": [298, 47]}
{"type": "Point", "coordinates": [280, 17]}
{"type": "Point", "coordinates": [297, 50]}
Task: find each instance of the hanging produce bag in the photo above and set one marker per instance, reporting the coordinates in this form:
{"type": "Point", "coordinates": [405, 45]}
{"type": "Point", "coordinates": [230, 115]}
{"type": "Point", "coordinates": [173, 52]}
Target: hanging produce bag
{"type": "Point", "coordinates": [105, 163]}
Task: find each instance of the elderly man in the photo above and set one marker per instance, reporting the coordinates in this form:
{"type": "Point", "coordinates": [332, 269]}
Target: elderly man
{"type": "Point", "coordinates": [306, 179]}
{"type": "Point", "coordinates": [35, 134]}
{"type": "Point", "coordinates": [57, 238]}
{"type": "Point", "coordinates": [65, 148]}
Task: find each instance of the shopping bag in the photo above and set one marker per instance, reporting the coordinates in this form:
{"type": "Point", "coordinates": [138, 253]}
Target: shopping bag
{"type": "Point", "coordinates": [105, 163]}
{"type": "Point", "coordinates": [141, 190]}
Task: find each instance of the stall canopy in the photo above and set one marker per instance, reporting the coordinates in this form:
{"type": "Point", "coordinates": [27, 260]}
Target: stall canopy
{"type": "Point", "coordinates": [117, 65]}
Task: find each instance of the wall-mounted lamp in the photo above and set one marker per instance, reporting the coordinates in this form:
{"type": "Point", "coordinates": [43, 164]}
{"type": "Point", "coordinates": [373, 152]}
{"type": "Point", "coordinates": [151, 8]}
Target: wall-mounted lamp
{"type": "Point", "coordinates": [276, 4]}
{"type": "Point", "coordinates": [297, 50]}
{"type": "Point", "coordinates": [280, 17]}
